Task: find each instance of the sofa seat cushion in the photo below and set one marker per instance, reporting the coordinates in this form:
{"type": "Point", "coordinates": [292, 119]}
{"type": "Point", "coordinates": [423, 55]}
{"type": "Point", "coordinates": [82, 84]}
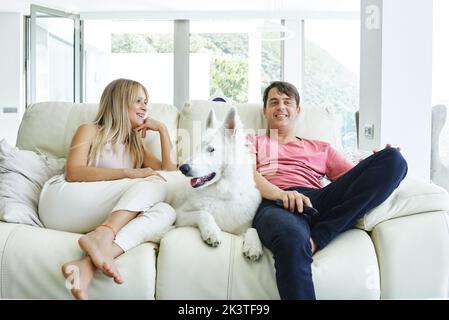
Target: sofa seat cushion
{"type": "Point", "coordinates": [190, 269]}
{"type": "Point", "coordinates": [36, 135]}
{"type": "Point", "coordinates": [31, 260]}
{"type": "Point", "coordinates": [411, 197]}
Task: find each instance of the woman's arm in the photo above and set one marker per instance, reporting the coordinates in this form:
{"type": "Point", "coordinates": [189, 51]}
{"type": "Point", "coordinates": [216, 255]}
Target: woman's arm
{"type": "Point", "coordinates": [76, 166]}
{"type": "Point", "coordinates": [166, 147]}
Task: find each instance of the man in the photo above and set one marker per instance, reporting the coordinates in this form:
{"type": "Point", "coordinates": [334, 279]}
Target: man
{"type": "Point", "coordinates": [289, 168]}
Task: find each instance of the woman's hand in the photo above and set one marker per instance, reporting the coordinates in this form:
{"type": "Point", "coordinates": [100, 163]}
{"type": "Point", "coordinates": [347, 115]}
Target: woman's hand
{"type": "Point", "coordinates": [143, 173]}
{"type": "Point", "coordinates": [149, 124]}
{"type": "Point", "coordinates": [292, 198]}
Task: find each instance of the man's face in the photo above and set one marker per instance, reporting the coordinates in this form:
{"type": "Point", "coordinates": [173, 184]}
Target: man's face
{"type": "Point", "coordinates": [281, 110]}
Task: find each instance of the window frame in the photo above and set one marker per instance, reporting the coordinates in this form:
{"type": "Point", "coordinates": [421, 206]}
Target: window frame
{"type": "Point", "coordinates": [31, 59]}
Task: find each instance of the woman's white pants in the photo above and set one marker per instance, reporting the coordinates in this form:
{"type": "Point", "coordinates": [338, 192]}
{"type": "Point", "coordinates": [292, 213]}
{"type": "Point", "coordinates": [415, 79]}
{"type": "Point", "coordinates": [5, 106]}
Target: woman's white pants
{"type": "Point", "coordinates": [81, 206]}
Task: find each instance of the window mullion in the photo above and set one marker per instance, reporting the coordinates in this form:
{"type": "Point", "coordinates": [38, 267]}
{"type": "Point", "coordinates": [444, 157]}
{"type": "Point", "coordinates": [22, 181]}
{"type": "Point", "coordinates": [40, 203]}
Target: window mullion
{"type": "Point", "coordinates": [181, 58]}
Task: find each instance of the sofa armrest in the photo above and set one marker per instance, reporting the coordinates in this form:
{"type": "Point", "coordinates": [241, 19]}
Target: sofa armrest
{"type": "Point", "coordinates": [411, 197]}
{"type": "Point", "coordinates": [413, 255]}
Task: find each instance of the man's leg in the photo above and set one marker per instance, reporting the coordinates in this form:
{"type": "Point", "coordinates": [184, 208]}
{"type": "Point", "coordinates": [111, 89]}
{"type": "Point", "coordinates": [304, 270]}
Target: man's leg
{"type": "Point", "coordinates": [287, 235]}
{"type": "Point", "coordinates": [361, 189]}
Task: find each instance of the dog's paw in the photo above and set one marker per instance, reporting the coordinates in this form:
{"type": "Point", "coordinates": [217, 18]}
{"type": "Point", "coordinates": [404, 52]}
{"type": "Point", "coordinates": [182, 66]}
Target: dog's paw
{"type": "Point", "coordinates": [252, 251]}
{"type": "Point", "coordinates": [211, 236]}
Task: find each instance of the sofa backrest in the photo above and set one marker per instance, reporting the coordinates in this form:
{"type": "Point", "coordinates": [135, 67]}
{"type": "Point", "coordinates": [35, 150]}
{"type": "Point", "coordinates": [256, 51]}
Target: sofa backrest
{"type": "Point", "coordinates": [48, 127]}
{"type": "Point", "coordinates": [313, 123]}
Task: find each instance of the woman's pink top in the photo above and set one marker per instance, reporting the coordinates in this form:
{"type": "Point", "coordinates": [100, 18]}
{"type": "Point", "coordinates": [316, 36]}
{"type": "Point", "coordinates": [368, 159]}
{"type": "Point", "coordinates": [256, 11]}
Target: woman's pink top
{"type": "Point", "coordinates": [114, 160]}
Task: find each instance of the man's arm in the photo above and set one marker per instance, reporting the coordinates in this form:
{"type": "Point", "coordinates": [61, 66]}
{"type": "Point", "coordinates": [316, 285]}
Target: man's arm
{"type": "Point", "coordinates": [270, 191]}
{"type": "Point", "coordinates": [267, 189]}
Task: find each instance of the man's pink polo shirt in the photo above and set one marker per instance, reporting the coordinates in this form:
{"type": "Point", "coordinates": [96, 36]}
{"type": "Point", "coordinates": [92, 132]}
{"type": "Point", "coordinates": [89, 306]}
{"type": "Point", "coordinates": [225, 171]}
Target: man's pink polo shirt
{"type": "Point", "coordinates": [298, 163]}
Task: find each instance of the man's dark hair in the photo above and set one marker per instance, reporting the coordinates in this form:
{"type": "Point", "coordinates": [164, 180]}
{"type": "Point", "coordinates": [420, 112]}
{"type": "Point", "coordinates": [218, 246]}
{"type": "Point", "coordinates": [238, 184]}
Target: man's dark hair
{"type": "Point", "coordinates": [283, 87]}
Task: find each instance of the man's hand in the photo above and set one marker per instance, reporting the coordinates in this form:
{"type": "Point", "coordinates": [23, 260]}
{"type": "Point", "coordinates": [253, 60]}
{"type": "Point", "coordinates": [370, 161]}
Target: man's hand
{"type": "Point", "coordinates": [292, 198]}
{"type": "Point", "coordinates": [386, 147]}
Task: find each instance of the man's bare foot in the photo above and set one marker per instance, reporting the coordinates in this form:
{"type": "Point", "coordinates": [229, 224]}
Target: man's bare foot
{"type": "Point", "coordinates": [98, 245]}
{"type": "Point", "coordinates": [78, 275]}
{"type": "Point", "coordinates": [314, 247]}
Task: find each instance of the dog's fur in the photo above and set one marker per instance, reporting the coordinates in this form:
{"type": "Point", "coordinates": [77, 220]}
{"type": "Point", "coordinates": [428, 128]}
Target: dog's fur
{"type": "Point", "coordinates": [226, 198]}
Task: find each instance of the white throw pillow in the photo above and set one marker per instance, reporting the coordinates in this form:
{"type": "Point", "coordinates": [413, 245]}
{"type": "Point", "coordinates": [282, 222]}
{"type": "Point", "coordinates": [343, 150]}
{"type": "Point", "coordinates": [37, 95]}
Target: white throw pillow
{"type": "Point", "coordinates": [22, 176]}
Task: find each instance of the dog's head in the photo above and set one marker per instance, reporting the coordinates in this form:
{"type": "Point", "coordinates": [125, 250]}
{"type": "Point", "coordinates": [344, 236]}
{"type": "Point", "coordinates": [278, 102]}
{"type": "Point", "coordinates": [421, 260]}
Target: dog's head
{"type": "Point", "coordinates": [218, 147]}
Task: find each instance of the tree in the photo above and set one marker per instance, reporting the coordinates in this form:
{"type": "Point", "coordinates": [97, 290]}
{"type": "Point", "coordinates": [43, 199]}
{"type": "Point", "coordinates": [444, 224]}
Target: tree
{"type": "Point", "coordinates": [229, 77]}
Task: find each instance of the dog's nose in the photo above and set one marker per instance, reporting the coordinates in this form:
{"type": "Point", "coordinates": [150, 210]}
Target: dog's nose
{"type": "Point", "coordinates": [185, 168]}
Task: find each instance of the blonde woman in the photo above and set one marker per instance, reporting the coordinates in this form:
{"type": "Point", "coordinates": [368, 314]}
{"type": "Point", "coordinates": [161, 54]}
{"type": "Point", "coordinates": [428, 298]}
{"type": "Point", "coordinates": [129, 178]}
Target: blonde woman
{"type": "Point", "coordinates": [110, 189]}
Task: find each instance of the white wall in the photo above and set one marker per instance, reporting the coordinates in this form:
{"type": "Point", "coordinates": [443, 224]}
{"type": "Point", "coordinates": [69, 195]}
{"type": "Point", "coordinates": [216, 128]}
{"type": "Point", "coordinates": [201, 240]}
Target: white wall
{"type": "Point", "coordinates": [11, 75]}
{"type": "Point", "coordinates": [396, 79]}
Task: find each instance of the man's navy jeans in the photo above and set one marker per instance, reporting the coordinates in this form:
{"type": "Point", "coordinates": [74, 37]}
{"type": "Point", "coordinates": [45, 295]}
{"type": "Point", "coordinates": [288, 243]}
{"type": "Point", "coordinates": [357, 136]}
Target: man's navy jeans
{"type": "Point", "coordinates": [340, 204]}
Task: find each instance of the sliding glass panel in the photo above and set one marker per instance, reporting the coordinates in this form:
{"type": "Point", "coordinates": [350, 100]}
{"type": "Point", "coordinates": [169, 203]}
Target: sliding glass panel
{"type": "Point", "coordinates": [332, 70]}
{"type": "Point", "coordinates": [233, 59]}
{"type": "Point", "coordinates": [52, 53]}
{"type": "Point", "coordinates": [138, 50]}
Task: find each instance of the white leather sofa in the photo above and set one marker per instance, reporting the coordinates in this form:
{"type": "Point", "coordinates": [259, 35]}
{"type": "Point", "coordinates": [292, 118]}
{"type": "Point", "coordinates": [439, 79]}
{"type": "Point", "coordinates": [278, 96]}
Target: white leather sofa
{"type": "Point", "coordinates": [399, 250]}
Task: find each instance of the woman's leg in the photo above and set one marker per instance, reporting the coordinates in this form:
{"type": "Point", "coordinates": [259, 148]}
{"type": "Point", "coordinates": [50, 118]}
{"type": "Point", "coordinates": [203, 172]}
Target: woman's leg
{"type": "Point", "coordinates": [79, 274]}
{"type": "Point", "coordinates": [100, 249]}
{"type": "Point", "coordinates": [140, 197]}
{"type": "Point", "coordinates": [150, 225]}
{"type": "Point", "coordinates": [98, 243]}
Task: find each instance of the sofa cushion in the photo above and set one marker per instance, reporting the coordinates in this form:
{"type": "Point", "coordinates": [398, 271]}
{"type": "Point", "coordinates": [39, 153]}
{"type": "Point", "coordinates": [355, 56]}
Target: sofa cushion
{"type": "Point", "coordinates": [27, 172]}
{"type": "Point", "coordinates": [411, 197]}
{"type": "Point", "coordinates": [313, 123]}
{"type": "Point", "coordinates": [190, 269]}
{"type": "Point", "coordinates": [36, 133]}
{"type": "Point", "coordinates": [31, 260]}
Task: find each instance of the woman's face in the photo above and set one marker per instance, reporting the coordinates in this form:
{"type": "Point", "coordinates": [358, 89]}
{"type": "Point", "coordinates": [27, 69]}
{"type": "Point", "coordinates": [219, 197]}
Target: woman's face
{"type": "Point", "coordinates": [138, 109]}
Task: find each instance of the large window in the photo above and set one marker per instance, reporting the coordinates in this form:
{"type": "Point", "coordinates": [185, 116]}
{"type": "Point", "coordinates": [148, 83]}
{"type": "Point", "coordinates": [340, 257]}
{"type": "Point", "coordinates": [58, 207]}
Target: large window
{"type": "Point", "coordinates": [441, 69]}
{"type": "Point", "coordinates": [236, 59]}
{"type": "Point", "coordinates": [138, 50]}
{"type": "Point", "coordinates": [232, 59]}
{"type": "Point", "coordinates": [332, 70]}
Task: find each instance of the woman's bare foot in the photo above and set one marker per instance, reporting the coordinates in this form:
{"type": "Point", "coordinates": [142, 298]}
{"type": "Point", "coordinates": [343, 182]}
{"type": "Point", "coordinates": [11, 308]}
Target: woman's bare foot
{"type": "Point", "coordinates": [79, 274]}
{"type": "Point", "coordinates": [98, 245]}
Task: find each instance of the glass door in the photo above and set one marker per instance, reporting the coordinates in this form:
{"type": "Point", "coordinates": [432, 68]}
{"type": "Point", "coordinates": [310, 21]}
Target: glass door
{"type": "Point", "coordinates": [54, 71]}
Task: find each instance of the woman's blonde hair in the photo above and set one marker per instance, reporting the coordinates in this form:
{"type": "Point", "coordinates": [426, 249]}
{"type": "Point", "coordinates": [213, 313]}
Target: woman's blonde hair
{"type": "Point", "coordinates": [113, 121]}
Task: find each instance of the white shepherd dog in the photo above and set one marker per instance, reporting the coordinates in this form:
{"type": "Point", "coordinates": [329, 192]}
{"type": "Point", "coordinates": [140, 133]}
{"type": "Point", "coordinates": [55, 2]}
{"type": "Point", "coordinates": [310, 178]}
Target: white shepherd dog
{"type": "Point", "coordinates": [222, 193]}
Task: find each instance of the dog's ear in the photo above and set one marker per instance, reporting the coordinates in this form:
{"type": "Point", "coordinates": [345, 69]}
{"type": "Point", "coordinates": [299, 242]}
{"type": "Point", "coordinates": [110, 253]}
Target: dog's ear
{"type": "Point", "coordinates": [232, 122]}
{"type": "Point", "coordinates": [211, 121]}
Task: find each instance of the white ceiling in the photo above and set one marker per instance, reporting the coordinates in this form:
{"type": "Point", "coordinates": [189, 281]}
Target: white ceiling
{"type": "Point", "coordinates": [81, 6]}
